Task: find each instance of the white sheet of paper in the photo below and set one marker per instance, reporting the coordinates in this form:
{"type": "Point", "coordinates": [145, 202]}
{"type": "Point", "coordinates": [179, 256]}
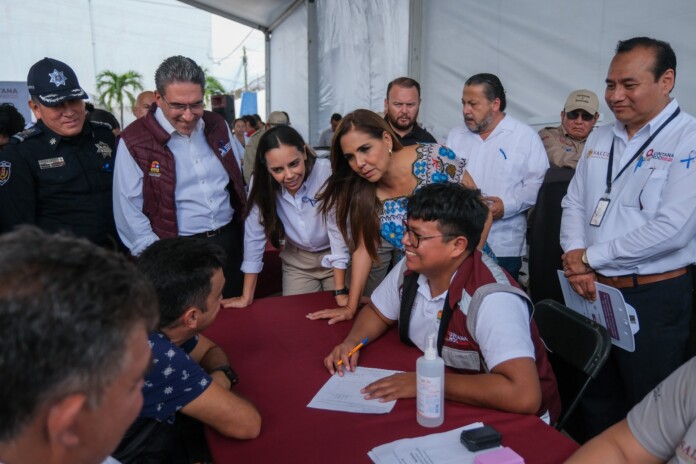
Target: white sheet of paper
{"type": "Point", "coordinates": [440, 448]}
{"type": "Point", "coordinates": [343, 393]}
{"type": "Point", "coordinates": [608, 310]}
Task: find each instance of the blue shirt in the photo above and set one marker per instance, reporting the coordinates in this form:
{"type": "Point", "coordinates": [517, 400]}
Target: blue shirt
{"type": "Point", "coordinates": [174, 379]}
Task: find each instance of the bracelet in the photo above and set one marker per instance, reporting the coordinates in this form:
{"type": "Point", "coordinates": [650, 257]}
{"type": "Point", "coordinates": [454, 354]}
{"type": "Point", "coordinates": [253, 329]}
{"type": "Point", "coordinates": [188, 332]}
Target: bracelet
{"type": "Point", "coordinates": [343, 291]}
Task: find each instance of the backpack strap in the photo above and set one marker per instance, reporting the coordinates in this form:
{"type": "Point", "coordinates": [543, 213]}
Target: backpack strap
{"type": "Point", "coordinates": [408, 298]}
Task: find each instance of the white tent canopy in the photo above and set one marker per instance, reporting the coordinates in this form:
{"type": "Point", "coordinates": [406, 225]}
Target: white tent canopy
{"type": "Point", "coordinates": [326, 56]}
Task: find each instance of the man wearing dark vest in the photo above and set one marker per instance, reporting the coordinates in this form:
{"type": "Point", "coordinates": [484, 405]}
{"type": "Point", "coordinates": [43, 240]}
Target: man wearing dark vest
{"type": "Point", "coordinates": [482, 320]}
{"type": "Point", "coordinates": [177, 174]}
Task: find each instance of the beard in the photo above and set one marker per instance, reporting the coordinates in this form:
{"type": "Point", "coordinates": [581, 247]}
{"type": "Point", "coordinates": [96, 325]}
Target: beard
{"type": "Point", "coordinates": [478, 127]}
{"type": "Point", "coordinates": [401, 126]}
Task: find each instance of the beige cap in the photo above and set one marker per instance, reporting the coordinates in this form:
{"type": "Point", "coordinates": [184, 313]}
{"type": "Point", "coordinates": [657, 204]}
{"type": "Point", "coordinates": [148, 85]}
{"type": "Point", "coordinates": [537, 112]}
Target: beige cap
{"type": "Point", "coordinates": [582, 100]}
{"type": "Point", "coordinates": [276, 118]}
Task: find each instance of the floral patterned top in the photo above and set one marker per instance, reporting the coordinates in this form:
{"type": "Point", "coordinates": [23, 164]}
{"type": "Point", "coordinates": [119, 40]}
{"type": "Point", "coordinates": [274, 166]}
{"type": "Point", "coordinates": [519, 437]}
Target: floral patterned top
{"type": "Point", "coordinates": [434, 164]}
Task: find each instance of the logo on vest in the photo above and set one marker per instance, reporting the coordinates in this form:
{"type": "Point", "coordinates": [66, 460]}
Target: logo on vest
{"type": "Point", "coordinates": [224, 148]}
{"type": "Point", "coordinates": [154, 169]}
{"type": "Point", "coordinates": [456, 338]}
{"type": "Point", "coordinates": [5, 171]}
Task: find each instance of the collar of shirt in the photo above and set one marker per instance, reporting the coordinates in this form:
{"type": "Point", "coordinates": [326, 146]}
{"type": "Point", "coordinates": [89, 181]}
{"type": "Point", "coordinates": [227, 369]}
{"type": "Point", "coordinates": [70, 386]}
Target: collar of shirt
{"type": "Point", "coordinates": [651, 126]}
{"type": "Point", "coordinates": [167, 126]}
{"type": "Point", "coordinates": [50, 135]}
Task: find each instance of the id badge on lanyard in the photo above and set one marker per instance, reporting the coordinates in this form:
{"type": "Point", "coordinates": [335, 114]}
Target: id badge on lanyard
{"type": "Point", "coordinates": [599, 212]}
{"type": "Point", "coordinates": [603, 203]}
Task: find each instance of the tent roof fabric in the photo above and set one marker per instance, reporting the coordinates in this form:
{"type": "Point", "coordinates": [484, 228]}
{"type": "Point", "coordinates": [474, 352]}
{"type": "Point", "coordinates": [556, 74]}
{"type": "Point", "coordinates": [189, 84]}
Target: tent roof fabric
{"type": "Point", "coordinates": [263, 15]}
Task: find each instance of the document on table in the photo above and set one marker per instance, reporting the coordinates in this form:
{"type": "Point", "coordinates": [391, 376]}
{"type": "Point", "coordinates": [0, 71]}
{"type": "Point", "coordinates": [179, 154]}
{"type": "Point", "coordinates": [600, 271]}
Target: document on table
{"type": "Point", "coordinates": [608, 310]}
{"type": "Point", "coordinates": [440, 448]}
{"type": "Point", "coordinates": [343, 393]}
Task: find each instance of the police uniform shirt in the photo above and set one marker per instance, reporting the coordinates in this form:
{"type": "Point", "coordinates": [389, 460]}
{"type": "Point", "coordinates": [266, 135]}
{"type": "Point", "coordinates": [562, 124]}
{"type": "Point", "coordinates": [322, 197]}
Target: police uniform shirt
{"type": "Point", "coordinates": [650, 223]}
{"type": "Point", "coordinates": [60, 183]}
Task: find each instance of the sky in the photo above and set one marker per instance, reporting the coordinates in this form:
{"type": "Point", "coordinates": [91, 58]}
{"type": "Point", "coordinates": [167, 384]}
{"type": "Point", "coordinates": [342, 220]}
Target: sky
{"type": "Point", "coordinates": [96, 35]}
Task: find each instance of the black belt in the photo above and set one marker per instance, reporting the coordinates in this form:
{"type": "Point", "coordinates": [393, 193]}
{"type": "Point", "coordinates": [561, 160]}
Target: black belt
{"type": "Point", "coordinates": [212, 233]}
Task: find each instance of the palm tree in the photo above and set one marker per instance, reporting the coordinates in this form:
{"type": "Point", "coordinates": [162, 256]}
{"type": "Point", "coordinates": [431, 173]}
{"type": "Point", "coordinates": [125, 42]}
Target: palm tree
{"type": "Point", "coordinates": [112, 87]}
{"type": "Point", "coordinates": [212, 87]}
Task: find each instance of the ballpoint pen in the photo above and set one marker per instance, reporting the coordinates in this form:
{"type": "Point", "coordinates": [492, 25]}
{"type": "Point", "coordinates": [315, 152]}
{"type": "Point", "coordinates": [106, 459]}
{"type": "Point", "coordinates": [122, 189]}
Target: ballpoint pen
{"type": "Point", "coordinates": [353, 351]}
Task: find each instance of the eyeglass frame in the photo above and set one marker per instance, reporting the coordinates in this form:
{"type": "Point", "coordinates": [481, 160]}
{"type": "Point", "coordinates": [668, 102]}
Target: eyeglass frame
{"type": "Point", "coordinates": [585, 115]}
{"type": "Point", "coordinates": [416, 243]}
{"type": "Point", "coordinates": [182, 107]}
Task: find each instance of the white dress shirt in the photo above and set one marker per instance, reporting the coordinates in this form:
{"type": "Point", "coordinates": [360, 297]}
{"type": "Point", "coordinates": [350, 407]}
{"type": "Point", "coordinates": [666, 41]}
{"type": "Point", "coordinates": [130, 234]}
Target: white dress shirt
{"type": "Point", "coordinates": [201, 196]}
{"type": "Point", "coordinates": [509, 164]}
{"type": "Point", "coordinates": [304, 224]}
{"type": "Point", "coordinates": [650, 224]}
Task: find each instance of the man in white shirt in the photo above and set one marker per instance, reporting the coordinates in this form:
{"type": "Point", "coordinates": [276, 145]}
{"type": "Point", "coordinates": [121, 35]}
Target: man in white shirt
{"type": "Point", "coordinates": [506, 160]}
{"type": "Point", "coordinates": [327, 135]}
{"type": "Point", "coordinates": [480, 317]}
{"type": "Point", "coordinates": [176, 173]}
{"type": "Point", "coordinates": [629, 221]}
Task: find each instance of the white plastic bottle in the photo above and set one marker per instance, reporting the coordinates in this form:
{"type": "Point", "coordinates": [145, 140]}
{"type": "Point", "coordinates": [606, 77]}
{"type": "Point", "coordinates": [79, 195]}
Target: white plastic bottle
{"type": "Point", "coordinates": [430, 386]}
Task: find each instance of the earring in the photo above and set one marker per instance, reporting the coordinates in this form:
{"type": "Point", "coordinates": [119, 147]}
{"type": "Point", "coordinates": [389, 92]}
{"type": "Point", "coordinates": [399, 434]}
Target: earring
{"type": "Point", "coordinates": [390, 152]}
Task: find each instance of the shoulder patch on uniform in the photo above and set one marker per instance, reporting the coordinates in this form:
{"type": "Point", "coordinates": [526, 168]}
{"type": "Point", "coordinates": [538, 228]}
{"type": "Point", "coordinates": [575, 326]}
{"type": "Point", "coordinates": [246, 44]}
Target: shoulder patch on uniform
{"type": "Point", "coordinates": [25, 134]}
{"type": "Point", "coordinates": [5, 171]}
{"type": "Point", "coordinates": [102, 125]}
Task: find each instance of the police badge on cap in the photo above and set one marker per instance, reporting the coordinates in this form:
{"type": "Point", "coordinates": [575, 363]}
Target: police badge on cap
{"type": "Point", "coordinates": [52, 81]}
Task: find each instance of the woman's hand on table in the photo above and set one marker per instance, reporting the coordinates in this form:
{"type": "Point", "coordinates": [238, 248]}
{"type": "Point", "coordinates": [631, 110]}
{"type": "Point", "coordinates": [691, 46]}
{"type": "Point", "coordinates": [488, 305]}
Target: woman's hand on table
{"type": "Point", "coordinates": [394, 387]}
{"type": "Point", "coordinates": [237, 302]}
{"type": "Point", "coordinates": [340, 353]}
{"type": "Point", "coordinates": [344, 313]}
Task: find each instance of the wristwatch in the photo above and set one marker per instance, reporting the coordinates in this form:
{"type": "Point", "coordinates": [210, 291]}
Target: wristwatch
{"type": "Point", "coordinates": [343, 291]}
{"type": "Point", "coordinates": [229, 373]}
{"type": "Point", "coordinates": [584, 259]}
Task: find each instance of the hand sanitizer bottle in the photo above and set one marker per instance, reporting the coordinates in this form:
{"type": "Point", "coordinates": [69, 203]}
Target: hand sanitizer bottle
{"type": "Point", "coordinates": [430, 386]}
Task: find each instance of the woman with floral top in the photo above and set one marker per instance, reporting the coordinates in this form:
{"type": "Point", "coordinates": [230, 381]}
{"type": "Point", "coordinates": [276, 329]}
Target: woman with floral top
{"type": "Point", "coordinates": [366, 199]}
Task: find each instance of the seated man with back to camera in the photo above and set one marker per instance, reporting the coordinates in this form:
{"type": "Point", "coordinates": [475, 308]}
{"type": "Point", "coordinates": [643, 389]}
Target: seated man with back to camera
{"type": "Point", "coordinates": [74, 319]}
{"type": "Point", "coordinates": [478, 312]}
{"type": "Point", "coordinates": [190, 372]}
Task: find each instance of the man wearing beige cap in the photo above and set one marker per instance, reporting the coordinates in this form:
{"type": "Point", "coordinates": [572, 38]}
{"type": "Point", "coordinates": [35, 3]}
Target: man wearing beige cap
{"type": "Point", "coordinates": [276, 118]}
{"type": "Point", "coordinates": [564, 143]}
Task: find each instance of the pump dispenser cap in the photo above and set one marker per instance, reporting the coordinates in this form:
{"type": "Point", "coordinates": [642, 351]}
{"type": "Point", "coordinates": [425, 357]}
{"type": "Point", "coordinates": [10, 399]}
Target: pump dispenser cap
{"type": "Point", "coordinates": [430, 350]}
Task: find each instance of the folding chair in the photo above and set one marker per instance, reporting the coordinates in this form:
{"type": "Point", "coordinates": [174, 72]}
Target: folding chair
{"type": "Point", "coordinates": [580, 342]}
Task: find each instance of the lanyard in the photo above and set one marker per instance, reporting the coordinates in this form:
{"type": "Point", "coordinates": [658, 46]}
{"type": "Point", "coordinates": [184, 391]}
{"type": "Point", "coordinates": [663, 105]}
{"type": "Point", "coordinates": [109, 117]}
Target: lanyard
{"type": "Point", "coordinates": [638, 153]}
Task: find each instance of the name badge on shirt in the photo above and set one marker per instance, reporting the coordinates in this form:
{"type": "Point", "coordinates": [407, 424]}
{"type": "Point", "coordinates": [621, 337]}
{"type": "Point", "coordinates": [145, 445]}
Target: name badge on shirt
{"type": "Point", "coordinates": [599, 212]}
{"type": "Point", "coordinates": [51, 163]}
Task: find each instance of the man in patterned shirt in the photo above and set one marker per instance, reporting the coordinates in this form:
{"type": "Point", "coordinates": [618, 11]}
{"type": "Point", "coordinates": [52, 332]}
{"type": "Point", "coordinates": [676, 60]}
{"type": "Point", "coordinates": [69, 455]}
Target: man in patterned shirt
{"type": "Point", "coordinates": [190, 373]}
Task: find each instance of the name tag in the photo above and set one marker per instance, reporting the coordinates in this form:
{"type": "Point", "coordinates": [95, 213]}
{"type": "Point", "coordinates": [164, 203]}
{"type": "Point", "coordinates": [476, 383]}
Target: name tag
{"type": "Point", "coordinates": [51, 163]}
{"type": "Point", "coordinates": [599, 212]}
{"type": "Point", "coordinates": [469, 360]}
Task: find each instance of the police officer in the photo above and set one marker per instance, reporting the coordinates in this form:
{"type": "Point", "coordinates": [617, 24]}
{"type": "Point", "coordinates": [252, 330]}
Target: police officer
{"type": "Point", "coordinates": [58, 174]}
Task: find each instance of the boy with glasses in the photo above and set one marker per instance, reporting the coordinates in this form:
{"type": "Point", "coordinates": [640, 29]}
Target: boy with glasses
{"type": "Point", "coordinates": [481, 317]}
{"type": "Point", "coordinates": [564, 143]}
{"type": "Point", "coordinates": [176, 173]}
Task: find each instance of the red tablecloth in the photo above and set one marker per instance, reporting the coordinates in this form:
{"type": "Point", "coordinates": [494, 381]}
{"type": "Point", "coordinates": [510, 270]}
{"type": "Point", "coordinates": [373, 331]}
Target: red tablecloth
{"type": "Point", "coordinates": [278, 355]}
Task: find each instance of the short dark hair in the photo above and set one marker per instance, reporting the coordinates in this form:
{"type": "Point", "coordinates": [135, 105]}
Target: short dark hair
{"type": "Point", "coordinates": [458, 210]}
{"type": "Point", "coordinates": [665, 58]}
{"type": "Point", "coordinates": [404, 82]}
{"type": "Point", "coordinates": [492, 87]}
{"type": "Point", "coordinates": [265, 189]}
{"type": "Point", "coordinates": [180, 269]}
{"type": "Point", "coordinates": [68, 309]}
{"type": "Point", "coordinates": [178, 69]}
{"type": "Point", "coordinates": [11, 120]}
{"type": "Point", "coordinates": [336, 117]}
